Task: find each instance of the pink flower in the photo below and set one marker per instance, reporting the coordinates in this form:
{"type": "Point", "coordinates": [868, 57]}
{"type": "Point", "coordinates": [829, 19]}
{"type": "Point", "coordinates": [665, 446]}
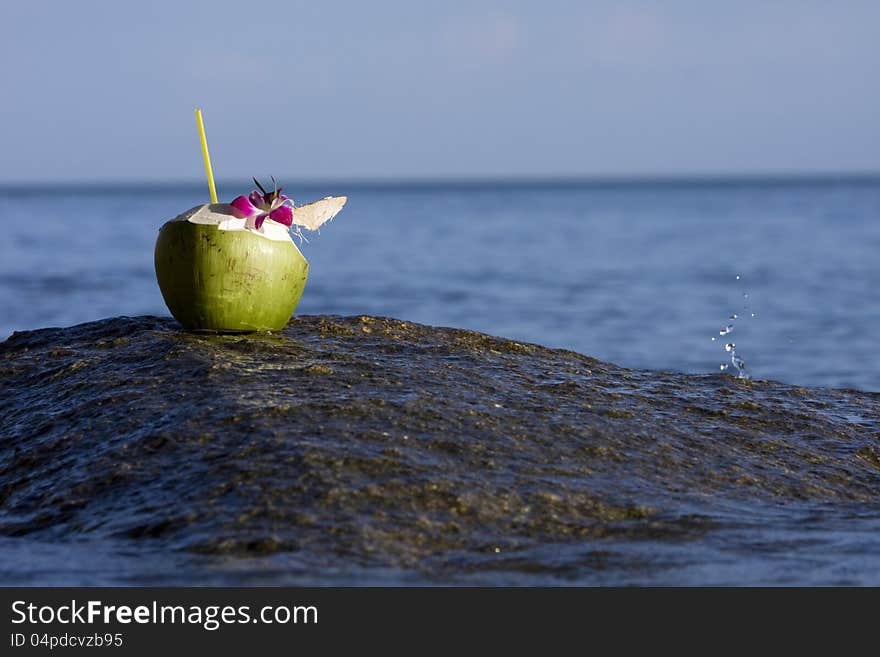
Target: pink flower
{"type": "Point", "coordinates": [264, 205]}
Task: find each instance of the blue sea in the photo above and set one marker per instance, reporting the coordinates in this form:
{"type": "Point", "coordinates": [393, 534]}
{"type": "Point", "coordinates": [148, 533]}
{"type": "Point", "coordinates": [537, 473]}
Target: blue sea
{"type": "Point", "coordinates": [641, 273]}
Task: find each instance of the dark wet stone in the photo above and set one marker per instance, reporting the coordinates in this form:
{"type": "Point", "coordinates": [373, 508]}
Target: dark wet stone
{"type": "Point", "coordinates": [379, 443]}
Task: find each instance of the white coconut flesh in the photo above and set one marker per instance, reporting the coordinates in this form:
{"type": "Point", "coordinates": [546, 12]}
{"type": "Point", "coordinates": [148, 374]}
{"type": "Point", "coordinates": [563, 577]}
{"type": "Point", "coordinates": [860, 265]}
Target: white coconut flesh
{"type": "Point", "coordinates": [223, 216]}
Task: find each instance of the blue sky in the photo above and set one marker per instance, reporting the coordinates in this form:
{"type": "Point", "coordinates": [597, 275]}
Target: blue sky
{"type": "Point", "coordinates": [98, 91]}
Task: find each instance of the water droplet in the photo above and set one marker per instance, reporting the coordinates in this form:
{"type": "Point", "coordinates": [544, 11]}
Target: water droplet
{"type": "Point", "coordinates": [736, 362]}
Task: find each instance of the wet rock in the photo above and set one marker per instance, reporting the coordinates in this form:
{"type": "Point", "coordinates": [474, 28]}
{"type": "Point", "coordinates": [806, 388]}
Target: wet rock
{"type": "Point", "coordinates": [374, 443]}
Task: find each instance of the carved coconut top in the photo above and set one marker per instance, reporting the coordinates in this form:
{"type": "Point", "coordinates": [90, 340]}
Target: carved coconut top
{"type": "Point", "coordinates": [225, 217]}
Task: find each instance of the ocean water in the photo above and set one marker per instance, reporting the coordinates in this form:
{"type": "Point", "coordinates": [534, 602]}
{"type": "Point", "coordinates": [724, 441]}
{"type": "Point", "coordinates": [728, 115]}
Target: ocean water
{"type": "Point", "coordinates": [643, 274]}
{"type": "Point", "coordinates": [750, 482]}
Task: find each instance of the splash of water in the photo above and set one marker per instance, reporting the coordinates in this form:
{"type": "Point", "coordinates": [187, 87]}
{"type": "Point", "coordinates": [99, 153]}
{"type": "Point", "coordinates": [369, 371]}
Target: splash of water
{"type": "Point", "coordinates": [735, 359]}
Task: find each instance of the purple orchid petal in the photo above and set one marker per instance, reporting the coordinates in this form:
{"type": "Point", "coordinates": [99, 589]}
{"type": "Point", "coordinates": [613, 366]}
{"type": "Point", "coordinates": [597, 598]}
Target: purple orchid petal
{"type": "Point", "coordinates": [258, 222]}
{"type": "Point", "coordinates": [259, 201]}
{"type": "Point", "coordinates": [282, 214]}
{"type": "Point", "coordinates": [281, 200]}
{"type": "Point", "coordinates": [244, 207]}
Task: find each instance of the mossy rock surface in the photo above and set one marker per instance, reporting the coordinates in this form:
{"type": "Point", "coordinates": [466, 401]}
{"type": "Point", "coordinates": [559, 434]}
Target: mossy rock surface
{"type": "Point", "coordinates": [372, 450]}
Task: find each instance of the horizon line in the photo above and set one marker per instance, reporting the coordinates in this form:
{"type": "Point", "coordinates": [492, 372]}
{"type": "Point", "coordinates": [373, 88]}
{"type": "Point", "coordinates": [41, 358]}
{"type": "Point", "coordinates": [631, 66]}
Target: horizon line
{"type": "Point", "coordinates": [584, 180]}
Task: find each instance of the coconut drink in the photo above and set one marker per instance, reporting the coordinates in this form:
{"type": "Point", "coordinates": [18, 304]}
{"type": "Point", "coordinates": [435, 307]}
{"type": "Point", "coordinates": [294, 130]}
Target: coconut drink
{"type": "Point", "coordinates": [235, 267]}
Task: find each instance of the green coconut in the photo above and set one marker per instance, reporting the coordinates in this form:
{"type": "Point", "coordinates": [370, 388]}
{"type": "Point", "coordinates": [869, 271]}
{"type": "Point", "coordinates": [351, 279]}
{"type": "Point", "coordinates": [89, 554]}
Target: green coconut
{"type": "Point", "coordinates": [217, 273]}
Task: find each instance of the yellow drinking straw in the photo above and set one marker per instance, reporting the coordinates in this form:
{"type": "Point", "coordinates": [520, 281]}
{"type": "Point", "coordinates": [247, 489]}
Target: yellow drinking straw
{"type": "Point", "coordinates": [205, 154]}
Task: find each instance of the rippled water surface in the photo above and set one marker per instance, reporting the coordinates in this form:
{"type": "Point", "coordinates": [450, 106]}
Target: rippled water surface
{"type": "Point", "coordinates": [643, 275]}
